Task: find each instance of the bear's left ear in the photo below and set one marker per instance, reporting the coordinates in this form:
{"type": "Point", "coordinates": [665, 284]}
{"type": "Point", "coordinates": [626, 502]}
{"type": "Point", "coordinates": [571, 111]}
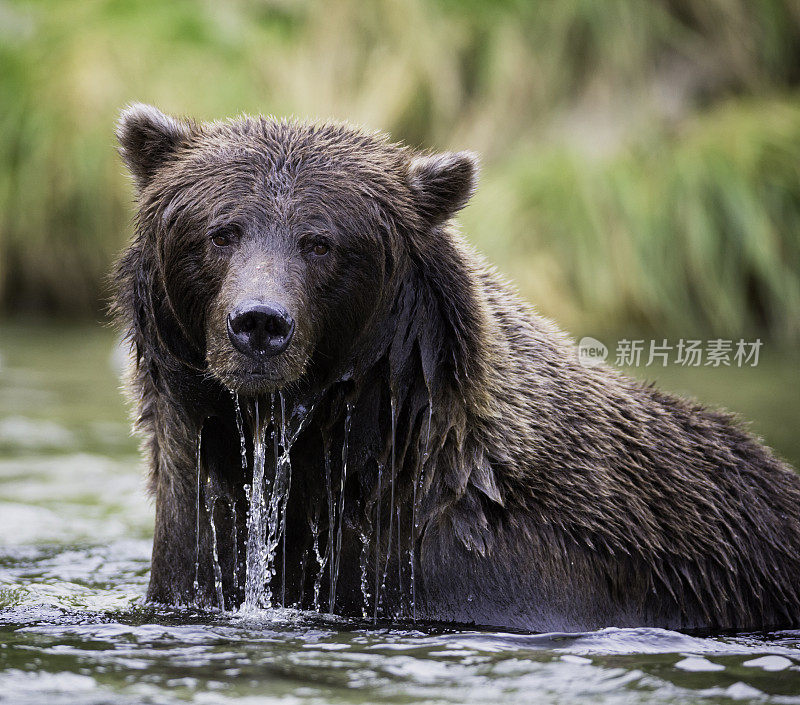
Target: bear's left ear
{"type": "Point", "coordinates": [442, 183]}
{"type": "Point", "coordinates": [148, 138]}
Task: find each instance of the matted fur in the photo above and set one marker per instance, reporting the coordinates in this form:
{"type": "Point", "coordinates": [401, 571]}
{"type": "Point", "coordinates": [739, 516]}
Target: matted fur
{"type": "Point", "coordinates": [550, 496]}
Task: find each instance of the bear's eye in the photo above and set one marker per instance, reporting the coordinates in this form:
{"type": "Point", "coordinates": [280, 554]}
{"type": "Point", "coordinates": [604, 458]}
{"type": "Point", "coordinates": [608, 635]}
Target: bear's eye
{"type": "Point", "coordinates": [320, 248]}
{"type": "Point", "coordinates": [221, 238]}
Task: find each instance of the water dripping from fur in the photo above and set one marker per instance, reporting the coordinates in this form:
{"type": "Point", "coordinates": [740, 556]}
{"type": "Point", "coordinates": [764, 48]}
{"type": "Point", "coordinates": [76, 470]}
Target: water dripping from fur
{"type": "Point", "coordinates": [418, 483]}
{"type": "Point", "coordinates": [269, 500]}
{"type": "Point", "coordinates": [400, 591]}
{"type": "Point", "coordinates": [275, 517]}
{"type": "Point", "coordinates": [234, 516]}
{"type": "Point", "coordinates": [210, 502]}
{"type": "Point", "coordinates": [240, 428]}
{"type": "Point", "coordinates": [364, 582]}
{"type": "Point", "coordinates": [381, 572]}
{"type": "Point", "coordinates": [285, 459]}
{"type": "Point", "coordinates": [378, 545]}
{"type": "Point", "coordinates": [196, 584]}
{"type": "Point", "coordinates": [338, 548]}
{"type": "Point", "coordinates": [322, 559]}
{"type": "Point", "coordinates": [331, 524]}
{"type": "Point", "coordinates": [235, 543]}
{"type": "Point", "coordinates": [255, 583]}
{"type": "Point", "coordinates": [391, 498]}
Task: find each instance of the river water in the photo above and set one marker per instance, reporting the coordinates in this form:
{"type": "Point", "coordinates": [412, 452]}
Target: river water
{"type": "Point", "coordinates": [75, 531]}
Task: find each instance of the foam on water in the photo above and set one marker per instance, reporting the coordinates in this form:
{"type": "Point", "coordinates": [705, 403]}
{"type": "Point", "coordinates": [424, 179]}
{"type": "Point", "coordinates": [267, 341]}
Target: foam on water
{"type": "Point", "coordinates": [235, 658]}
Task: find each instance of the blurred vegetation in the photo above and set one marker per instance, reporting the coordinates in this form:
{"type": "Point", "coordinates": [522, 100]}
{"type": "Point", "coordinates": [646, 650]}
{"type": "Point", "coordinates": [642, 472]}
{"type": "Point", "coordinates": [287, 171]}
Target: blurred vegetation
{"type": "Point", "coordinates": [641, 159]}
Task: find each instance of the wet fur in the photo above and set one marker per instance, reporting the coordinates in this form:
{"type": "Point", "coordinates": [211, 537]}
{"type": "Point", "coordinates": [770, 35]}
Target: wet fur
{"type": "Point", "coordinates": [551, 496]}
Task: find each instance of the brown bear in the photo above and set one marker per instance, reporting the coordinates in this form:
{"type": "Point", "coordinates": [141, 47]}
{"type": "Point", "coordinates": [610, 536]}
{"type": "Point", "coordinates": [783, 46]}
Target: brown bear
{"type": "Point", "coordinates": [346, 409]}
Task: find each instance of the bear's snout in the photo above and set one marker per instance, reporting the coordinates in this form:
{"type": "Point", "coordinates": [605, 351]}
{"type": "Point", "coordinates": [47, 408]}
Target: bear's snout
{"type": "Point", "coordinates": [260, 329]}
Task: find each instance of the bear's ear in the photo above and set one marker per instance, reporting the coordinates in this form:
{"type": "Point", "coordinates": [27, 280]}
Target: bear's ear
{"type": "Point", "coordinates": [442, 183]}
{"type": "Point", "coordinates": [148, 138]}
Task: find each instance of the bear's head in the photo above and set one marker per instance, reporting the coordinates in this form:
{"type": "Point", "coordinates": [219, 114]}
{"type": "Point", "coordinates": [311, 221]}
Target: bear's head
{"type": "Point", "coordinates": [267, 249]}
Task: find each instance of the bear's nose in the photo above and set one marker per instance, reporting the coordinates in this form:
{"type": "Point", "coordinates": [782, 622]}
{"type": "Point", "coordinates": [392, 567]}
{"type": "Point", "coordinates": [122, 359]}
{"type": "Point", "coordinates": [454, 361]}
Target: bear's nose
{"type": "Point", "coordinates": [260, 329]}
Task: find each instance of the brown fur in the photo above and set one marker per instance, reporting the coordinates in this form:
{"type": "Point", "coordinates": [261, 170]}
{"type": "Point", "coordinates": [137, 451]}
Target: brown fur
{"type": "Point", "coordinates": [548, 495]}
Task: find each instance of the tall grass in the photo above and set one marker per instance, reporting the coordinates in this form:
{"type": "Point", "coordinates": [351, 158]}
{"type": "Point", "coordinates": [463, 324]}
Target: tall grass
{"type": "Point", "coordinates": [640, 158]}
{"type": "Point", "coordinates": [694, 231]}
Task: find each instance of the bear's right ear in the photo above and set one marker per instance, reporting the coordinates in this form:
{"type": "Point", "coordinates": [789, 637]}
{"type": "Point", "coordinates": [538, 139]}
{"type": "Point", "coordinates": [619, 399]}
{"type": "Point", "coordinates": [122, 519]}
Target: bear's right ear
{"type": "Point", "coordinates": [148, 139]}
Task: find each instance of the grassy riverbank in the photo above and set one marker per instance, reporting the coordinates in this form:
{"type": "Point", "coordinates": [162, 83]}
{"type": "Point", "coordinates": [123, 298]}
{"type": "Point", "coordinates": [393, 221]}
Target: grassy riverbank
{"type": "Point", "coordinates": [641, 161]}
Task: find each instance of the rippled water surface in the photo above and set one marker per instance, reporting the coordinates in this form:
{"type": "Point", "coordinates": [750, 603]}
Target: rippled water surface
{"type": "Point", "coordinates": [75, 529]}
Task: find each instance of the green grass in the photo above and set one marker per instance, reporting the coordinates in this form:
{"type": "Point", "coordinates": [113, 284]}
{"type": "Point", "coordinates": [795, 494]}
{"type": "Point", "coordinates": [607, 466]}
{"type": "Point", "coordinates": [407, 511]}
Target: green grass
{"type": "Point", "coordinates": [640, 159]}
{"type": "Point", "coordinates": [694, 231]}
